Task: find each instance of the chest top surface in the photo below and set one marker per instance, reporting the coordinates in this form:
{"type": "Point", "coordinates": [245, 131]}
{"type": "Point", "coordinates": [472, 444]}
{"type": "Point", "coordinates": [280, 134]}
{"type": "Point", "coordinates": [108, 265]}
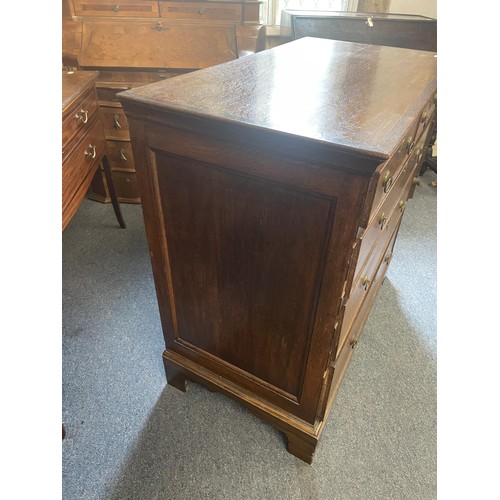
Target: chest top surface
{"type": "Point", "coordinates": [74, 83]}
{"type": "Point", "coordinates": [362, 15]}
{"type": "Point", "coordinates": [344, 95]}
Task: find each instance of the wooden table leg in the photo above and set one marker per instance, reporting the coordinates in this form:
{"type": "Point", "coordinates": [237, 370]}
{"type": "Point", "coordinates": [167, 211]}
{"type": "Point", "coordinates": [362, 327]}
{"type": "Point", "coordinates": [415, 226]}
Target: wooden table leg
{"type": "Point", "coordinates": [112, 193]}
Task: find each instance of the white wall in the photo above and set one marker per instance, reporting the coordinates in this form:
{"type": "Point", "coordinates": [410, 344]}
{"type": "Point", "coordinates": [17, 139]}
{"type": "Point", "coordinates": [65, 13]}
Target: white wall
{"type": "Point", "coordinates": [421, 7]}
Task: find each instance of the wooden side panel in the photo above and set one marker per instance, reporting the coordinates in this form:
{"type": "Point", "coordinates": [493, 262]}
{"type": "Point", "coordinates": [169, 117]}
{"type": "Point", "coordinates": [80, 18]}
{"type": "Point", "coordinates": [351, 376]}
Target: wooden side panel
{"type": "Point", "coordinates": [246, 258]}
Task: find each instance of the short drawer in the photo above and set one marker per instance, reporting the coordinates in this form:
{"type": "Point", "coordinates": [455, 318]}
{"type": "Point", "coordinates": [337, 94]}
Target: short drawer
{"type": "Point", "coordinates": [385, 178]}
{"type": "Point", "coordinates": [82, 161]}
{"type": "Point", "coordinates": [385, 218]}
{"type": "Point", "coordinates": [118, 8]}
{"type": "Point", "coordinates": [201, 11]}
{"type": "Point", "coordinates": [126, 187]}
{"type": "Point", "coordinates": [79, 118]}
{"type": "Point", "coordinates": [115, 124]}
{"type": "Point", "coordinates": [119, 154]}
{"type": "Point", "coordinates": [426, 117]}
{"type": "Point", "coordinates": [107, 95]}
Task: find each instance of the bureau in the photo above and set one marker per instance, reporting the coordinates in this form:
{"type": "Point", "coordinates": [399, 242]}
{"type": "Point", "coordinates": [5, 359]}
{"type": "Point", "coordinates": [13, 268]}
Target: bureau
{"type": "Point", "coordinates": [272, 207]}
{"type": "Point", "coordinates": [135, 42]}
{"type": "Point", "coordinates": [83, 143]}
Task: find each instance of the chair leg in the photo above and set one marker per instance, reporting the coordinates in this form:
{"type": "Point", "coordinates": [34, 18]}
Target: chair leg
{"type": "Point", "coordinates": [112, 193]}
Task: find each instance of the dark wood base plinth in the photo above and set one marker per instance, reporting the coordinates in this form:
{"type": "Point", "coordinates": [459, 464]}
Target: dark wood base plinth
{"type": "Point", "coordinates": [302, 437]}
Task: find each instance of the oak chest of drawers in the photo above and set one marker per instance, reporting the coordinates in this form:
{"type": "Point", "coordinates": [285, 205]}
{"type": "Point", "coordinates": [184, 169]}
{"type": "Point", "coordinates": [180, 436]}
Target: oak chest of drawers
{"type": "Point", "coordinates": [272, 207]}
{"type": "Point", "coordinates": [135, 42]}
{"type": "Point", "coordinates": [395, 30]}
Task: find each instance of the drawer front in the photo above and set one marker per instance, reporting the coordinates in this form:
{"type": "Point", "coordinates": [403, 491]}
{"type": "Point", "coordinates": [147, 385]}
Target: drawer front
{"type": "Point", "coordinates": [366, 277]}
{"type": "Point", "coordinates": [390, 170]}
{"type": "Point", "coordinates": [384, 219]}
{"type": "Point", "coordinates": [120, 157]}
{"type": "Point", "coordinates": [78, 166]}
{"type": "Point", "coordinates": [107, 95]}
{"type": "Point", "coordinates": [426, 117]}
{"type": "Point", "coordinates": [351, 330]}
{"type": "Point", "coordinates": [115, 124]}
{"type": "Point", "coordinates": [126, 187]}
{"type": "Point", "coordinates": [118, 8]}
{"type": "Point", "coordinates": [79, 118]}
{"type": "Point", "coordinates": [200, 11]}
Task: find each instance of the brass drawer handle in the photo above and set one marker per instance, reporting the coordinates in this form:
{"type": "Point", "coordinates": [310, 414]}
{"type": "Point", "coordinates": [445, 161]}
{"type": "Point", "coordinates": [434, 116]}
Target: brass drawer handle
{"type": "Point", "coordinates": [116, 8]}
{"type": "Point", "coordinates": [159, 27]}
{"type": "Point", "coordinates": [387, 182]}
{"type": "Point", "coordinates": [353, 344]}
{"type": "Point", "coordinates": [382, 221]}
{"type": "Point", "coordinates": [369, 21]}
{"type": "Point", "coordinates": [92, 153]}
{"type": "Point", "coordinates": [116, 125]}
{"type": "Point", "coordinates": [424, 118]}
{"type": "Point", "coordinates": [366, 282]}
{"type": "Point", "coordinates": [388, 258]}
{"type": "Point", "coordinates": [410, 145]}
{"type": "Point", "coordinates": [83, 116]}
{"type": "Point", "coordinates": [123, 155]}
{"type": "Point", "coordinates": [402, 205]}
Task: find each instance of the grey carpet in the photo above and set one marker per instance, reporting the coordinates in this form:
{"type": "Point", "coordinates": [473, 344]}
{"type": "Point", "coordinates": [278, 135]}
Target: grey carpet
{"type": "Point", "coordinates": [130, 436]}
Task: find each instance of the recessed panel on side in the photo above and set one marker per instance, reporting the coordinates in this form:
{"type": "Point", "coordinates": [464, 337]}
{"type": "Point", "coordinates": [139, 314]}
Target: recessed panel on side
{"type": "Point", "coordinates": [245, 256]}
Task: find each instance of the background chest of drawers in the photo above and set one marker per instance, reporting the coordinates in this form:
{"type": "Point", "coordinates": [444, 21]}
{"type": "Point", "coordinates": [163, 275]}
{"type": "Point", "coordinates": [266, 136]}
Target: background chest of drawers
{"type": "Point", "coordinates": [395, 30]}
{"type": "Point", "coordinates": [272, 222]}
{"type": "Point", "coordinates": [83, 143]}
{"type": "Point", "coordinates": [135, 42]}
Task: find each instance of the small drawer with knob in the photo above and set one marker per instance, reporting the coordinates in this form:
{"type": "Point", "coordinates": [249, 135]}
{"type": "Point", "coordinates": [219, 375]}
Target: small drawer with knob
{"type": "Point", "coordinates": [201, 11]}
{"type": "Point", "coordinates": [78, 118]}
{"type": "Point", "coordinates": [115, 124]}
{"type": "Point", "coordinates": [120, 156]}
{"type": "Point", "coordinates": [126, 186]}
{"type": "Point", "coordinates": [121, 8]}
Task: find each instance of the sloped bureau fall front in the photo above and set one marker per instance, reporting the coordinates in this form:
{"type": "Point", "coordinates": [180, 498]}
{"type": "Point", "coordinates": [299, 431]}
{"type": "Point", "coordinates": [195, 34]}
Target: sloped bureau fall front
{"type": "Point", "coordinates": [272, 190]}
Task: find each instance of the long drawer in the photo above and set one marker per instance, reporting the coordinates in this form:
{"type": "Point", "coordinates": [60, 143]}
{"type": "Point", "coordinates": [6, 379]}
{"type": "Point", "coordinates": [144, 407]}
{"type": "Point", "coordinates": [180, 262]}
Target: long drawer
{"type": "Point", "coordinates": [394, 200]}
{"type": "Point", "coordinates": [81, 162]}
{"type": "Point", "coordinates": [116, 8]}
{"type": "Point", "coordinates": [201, 11]}
{"type": "Point", "coordinates": [78, 118]}
{"type": "Point", "coordinates": [351, 329]}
